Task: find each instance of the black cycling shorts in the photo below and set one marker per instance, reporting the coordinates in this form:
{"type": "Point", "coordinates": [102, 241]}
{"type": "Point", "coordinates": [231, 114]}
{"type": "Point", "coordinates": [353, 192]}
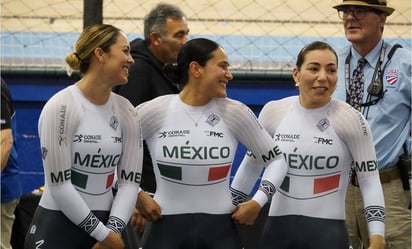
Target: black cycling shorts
{"type": "Point", "coordinates": [51, 229]}
{"type": "Point", "coordinates": [302, 232]}
{"type": "Point", "coordinates": [192, 231]}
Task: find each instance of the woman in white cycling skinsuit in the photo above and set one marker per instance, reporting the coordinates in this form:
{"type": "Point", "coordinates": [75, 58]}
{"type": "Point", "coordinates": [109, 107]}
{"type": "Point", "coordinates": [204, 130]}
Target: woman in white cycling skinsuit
{"type": "Point", "coordinates": [321, 139]}
{"type": "Point", "coordinates": [192, 138]}
{"type": "Point", "coordinates": [88, 136]}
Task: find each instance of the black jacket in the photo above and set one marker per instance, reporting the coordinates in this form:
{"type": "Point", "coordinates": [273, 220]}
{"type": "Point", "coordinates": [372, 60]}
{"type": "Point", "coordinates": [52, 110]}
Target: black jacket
{"type": "Point", "coordinates": [146, 78]}
{"type": "Point", "coordinates": [146, 81]}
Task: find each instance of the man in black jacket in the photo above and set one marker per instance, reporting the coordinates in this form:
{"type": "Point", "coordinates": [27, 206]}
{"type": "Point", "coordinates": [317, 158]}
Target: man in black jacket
{"type": "Point", "coordinates": [165, 31]}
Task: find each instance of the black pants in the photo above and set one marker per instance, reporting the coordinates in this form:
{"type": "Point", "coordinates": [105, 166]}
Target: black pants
{"type": "Point", "coordinates": [301, 232]}
{"type": "Point", "coordinates": [192, 231]}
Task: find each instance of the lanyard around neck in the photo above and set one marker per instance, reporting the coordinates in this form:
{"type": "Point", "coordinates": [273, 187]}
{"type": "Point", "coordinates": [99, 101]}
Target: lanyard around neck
{"type": "Point", "coordinates": [376, 74]}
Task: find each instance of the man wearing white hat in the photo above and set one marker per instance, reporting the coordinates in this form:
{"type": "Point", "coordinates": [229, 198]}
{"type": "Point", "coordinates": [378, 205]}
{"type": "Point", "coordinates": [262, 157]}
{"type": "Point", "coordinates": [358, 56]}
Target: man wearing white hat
{"type": "Point", "coordinates": [375, 78]}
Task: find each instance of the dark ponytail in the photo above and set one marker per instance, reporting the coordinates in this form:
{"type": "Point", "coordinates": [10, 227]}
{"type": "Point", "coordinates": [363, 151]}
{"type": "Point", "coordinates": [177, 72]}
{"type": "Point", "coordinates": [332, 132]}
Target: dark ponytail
{"type": "Point", "coordinates": [199, 50]}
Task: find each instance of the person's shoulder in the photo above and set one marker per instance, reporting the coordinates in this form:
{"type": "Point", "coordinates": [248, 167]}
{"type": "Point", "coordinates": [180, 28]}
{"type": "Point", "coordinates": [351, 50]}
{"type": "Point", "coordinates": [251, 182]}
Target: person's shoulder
{"type": "Point", "coordinates": [136, 44]}
{"type": "Point", "coordinates": [120, 100]}
{"type": "Point", "coordinates": [5, 93]}
{"type": "Point", "coordinates": [228, 104]}
{"type": "Point", "coordinates": [123, 106]}
{"type": "Point", "coordinates": [4, 87]}
{"type": "Point", "coordinates": [347, 121]}
{"type": "Point", "coordinates": [230, 108]}
{"type": "Point", "coordinates": [277, 108]}
{"type": "Point", "coordinates": [343, 110]}
{"type": "Point", "coordinates": [162, 100]}
{"type": "Point", "coordinates": [139, 50]}
{"type": "Point", "coordinates": [405, 51]}
{"type": "Point", "coordinates": [401, 53]}
{"type": "Point", "coordinates": [343, 51]}
{"type": "Point", "coordinates": [144, 60]}
{"type": "Point", "coordinates": [65, 95]}
{"type": "Point", "coordinates": [287, 101]}
{"type": "Point", "coordinates": [339, 104]}
{"type": "Point", "coordinates": [62, 101]}
{"type": "Point", "coordinates": [228, 101]}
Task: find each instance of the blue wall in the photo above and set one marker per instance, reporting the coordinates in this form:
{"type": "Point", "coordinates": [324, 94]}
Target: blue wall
{"type": "Point", "coordinates": [30, 92]}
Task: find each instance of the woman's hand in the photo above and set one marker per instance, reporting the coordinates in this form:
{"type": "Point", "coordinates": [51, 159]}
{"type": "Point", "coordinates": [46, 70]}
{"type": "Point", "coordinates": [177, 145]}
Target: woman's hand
{"type": "Point", "coordinates": [112, 241]}
{"type": "Point", "coordinates": [376, 242]}
{"type": "Point", "coordinates": [246, 213]}
{"type": "Point", "coordinates": [138, 221]}
{"type": "Point", "coordinates": [148, 207]}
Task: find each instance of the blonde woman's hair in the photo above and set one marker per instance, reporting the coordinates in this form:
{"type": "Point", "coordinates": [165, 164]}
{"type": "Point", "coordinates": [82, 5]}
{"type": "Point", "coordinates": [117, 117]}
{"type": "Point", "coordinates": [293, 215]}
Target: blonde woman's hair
{"type": "Point", "coordinates": [94, 36]}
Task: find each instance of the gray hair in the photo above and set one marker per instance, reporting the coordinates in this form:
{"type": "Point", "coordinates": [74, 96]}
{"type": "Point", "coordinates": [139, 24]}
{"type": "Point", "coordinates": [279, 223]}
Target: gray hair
{"type": "Point", "coordinates": [155, 21]}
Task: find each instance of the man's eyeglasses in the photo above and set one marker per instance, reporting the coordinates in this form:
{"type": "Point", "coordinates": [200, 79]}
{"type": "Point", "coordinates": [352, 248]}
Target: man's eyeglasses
{"type": "Point", "coordinates": [357, 13]}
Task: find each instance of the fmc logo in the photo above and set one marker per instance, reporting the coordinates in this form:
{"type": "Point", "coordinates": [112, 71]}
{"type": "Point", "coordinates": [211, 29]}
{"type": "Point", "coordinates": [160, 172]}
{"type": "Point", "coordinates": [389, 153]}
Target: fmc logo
{"type": "Point", "coordinates": [214, 134]}
{"type": "Point", "coordinates": [321, 140]}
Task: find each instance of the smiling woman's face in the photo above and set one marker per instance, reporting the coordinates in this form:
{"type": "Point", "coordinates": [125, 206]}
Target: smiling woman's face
{"type": "Point", "coordinates": [316, 78]}
{"type": "Point", "coordinates": [216, 74]}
